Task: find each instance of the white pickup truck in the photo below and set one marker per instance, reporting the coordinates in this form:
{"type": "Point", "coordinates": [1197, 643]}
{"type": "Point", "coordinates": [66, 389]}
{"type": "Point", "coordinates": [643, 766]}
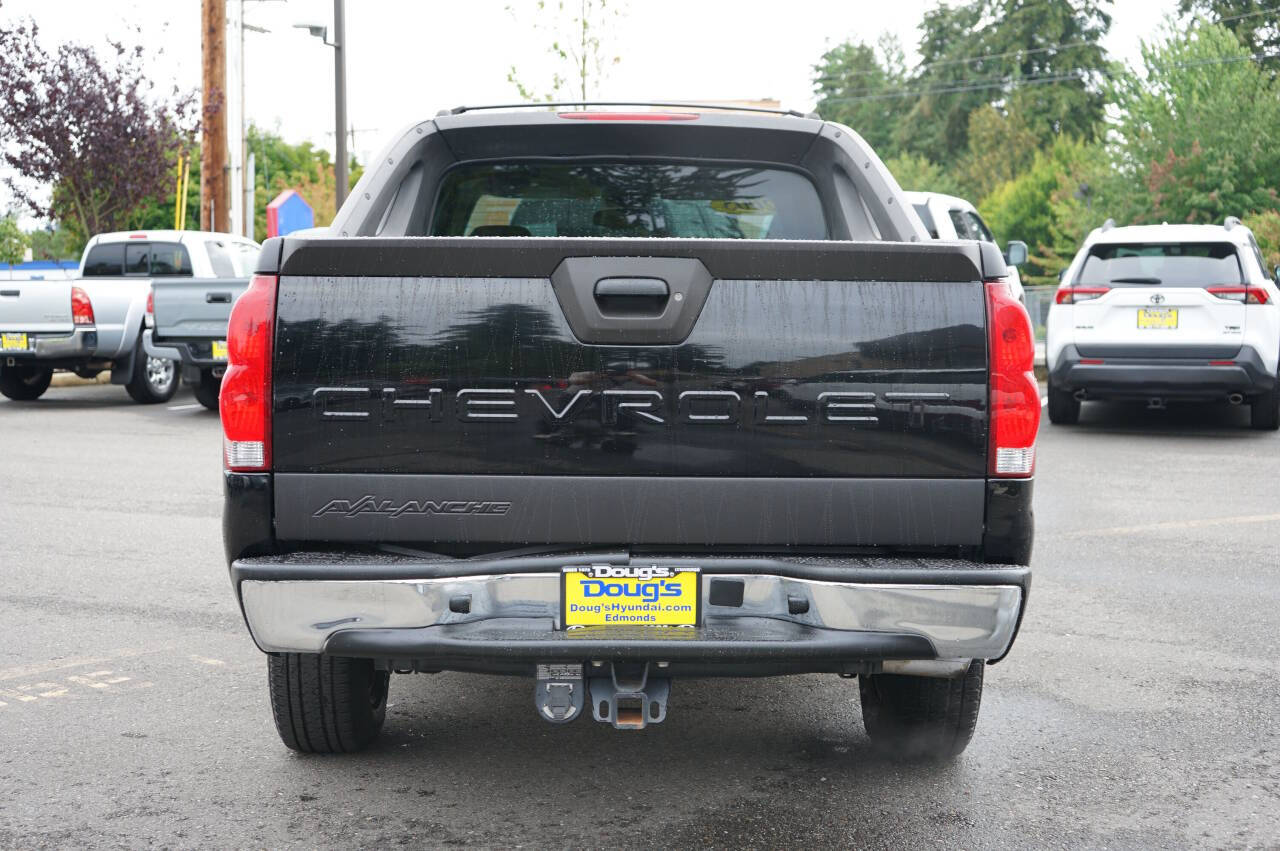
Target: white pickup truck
{"type": "Point", "coordinates": [95, 322]}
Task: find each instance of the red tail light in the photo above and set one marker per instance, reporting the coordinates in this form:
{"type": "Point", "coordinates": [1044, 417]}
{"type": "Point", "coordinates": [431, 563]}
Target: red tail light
{"type": "Point", "coordinates": [1073, 295]}
{"type": "Point", "coordinates": [1247, 295]}
{"type": "Point", "coordinates": [1013, 392]}
{"type": "Point", "coordinates": [81, 307]}
{"type": "Point", "coordinates": [629, 116]}
{"type": "Point", "coordinates": [149, 319]}
{"type": "Point", "coordinates": [245, 399]}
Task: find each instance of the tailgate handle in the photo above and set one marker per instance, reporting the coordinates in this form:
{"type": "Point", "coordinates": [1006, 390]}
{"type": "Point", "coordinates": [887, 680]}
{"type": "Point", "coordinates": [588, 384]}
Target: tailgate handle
{"type": "Point", "coordinates": [11, 293]}
{"type": "Point", "coordinates": [642, 287]}
{"type": "Point", "coordinates": [217, 298]}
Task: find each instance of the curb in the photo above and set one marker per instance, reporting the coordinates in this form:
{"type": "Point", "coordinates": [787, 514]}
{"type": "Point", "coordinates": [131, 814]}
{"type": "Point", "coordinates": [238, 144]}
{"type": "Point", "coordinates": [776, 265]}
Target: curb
{"type": "Point", "coordinates": [70, 379]}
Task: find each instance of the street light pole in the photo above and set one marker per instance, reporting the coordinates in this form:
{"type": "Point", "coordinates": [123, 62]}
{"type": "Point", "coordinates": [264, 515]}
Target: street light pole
{"type": "Point", "coordinates": [340, 103]}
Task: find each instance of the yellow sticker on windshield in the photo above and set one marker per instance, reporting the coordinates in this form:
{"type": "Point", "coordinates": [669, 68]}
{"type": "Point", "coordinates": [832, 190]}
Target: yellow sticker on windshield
{"type": "Point", "coordinates": [745, 207]}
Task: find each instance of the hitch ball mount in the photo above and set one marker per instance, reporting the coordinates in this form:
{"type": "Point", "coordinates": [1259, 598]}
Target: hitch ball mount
{"type": "Point", "coordinates": [628, 698]}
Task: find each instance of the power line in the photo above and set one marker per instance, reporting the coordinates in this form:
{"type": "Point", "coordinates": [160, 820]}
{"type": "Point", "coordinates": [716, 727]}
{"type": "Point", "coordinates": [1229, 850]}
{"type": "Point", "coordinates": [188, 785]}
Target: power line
{"type": "Point", "coordinates": [965, 60]}
{"type": "Point", "coordinates": [1016, 82]}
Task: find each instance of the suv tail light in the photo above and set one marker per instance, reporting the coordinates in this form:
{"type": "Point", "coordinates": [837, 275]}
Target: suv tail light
{"type": "Point", "coordinates": [245, 399]}
{"type": "Point", "coordinates": [1246, 295]}
{"type": "Point", "coordinates": [1072, 295]}
{"type": "Point", "coordinates": [1013, 392]}
{"type": "Point", "coordinates": [81, 307]}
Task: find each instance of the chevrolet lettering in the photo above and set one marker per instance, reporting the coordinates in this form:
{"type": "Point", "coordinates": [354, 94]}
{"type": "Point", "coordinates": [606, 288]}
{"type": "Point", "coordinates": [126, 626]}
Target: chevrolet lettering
{"type": "Point", "coordinates": [607, 400]}
{"type": "Point", "coordinates": [560, 407]}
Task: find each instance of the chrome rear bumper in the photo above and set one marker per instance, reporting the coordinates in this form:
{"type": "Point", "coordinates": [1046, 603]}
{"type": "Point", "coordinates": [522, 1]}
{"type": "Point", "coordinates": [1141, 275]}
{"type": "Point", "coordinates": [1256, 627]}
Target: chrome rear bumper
{"type": "Point", "coordinates": [517, 615]}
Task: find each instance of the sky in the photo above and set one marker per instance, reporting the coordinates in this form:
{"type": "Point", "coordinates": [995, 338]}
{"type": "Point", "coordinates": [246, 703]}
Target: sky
{"type": "Point", "coordinates": [407, 59]}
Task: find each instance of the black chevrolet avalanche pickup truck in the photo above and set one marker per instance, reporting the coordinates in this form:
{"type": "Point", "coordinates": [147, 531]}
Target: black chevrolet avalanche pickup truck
{"type": "Point", "coordinates": [606, 399]}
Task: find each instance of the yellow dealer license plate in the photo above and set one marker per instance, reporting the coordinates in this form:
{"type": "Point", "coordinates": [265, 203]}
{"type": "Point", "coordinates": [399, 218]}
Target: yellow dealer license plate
{"type": "Point", "coordinates": [616, 595]}
{"type": "Point", "coordinates": [13, 343]}
{"type": "Point", "coordinates": [219, 349]}
{"type": "Point", "coordinates": [1157, 317]}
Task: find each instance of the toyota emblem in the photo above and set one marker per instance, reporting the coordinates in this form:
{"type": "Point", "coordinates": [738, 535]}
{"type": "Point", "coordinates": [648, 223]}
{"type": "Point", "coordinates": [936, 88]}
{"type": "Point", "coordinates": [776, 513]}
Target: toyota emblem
{"type": "Point", "coordinates": [1157, 299]}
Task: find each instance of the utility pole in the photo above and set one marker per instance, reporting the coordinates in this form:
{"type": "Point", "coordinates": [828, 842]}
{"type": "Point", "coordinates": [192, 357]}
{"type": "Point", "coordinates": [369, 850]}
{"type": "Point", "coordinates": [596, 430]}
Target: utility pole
{"type": "Point", "coordinates": [340, 103]}
{"type": "Point", "coordinates": [215, 213]}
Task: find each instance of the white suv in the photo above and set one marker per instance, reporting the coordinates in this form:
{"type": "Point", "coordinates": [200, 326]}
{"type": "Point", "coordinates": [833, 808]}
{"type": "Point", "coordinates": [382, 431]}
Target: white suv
{"type": "Point", "coordinates": [1161, 312]}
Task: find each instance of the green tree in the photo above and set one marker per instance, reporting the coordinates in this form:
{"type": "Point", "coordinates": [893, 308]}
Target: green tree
{"type": "Point", "coordinates": [56, 242]}
{"type": "Point", "coordinates": [1040, 59]}
{"type": "Point", "coordinates": [851, 71]}
{"type": "Point", "coordinates": [1197, 128]}
{"type": "Point", "coordinates": [1256, 23]}
{"type": "Point", "coordinates": [1266, 229]}
{"type": "Point", "coordinates": [1022, 208]}
{"type": "Point", "coordinates": [578, 30]}
{"type": "Point", "coordinates": [1001, 146]}
{"type": "Point", "coordinates": [279, 165]}
{"type": "Point", "coordinates": [916, 174]}
{"type": "Point", "coordinates": [1091, 189]}
{"type": "Point", "coordinates": [937, 106]}
{"type": "Point", "coordinates": [13, 242]}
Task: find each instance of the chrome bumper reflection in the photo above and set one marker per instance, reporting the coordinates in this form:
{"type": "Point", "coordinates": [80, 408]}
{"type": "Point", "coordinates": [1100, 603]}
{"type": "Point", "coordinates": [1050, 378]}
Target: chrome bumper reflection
{"type": "Point", "coordinates": [82, 342]}
{"type": "Point", "coordinates": [961, 621]}
{"type": "Point", "coordinates": [152, 350]}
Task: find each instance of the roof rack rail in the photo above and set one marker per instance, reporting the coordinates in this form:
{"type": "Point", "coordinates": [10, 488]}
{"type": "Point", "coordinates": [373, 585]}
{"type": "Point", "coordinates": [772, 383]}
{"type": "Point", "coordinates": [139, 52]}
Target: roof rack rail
{"type": "Point", "coordinates": [1231, 222]}
{"type": "Point", "coordinates": [458, 110]}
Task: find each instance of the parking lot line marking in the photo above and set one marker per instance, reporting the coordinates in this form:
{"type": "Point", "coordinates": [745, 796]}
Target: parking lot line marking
{"type": "Point", "coordinates": [205, 661]}
{"type": "Point", "coordinates": [1044, 401]}
{"type": "Point", "coordinates": [185, 407]}
{"type": "Point", "coordinates": [25, 671]}
{"type": "Point", "coordinates": [50, 689]}
{"type": "Point", "coordinates": [17, 695]}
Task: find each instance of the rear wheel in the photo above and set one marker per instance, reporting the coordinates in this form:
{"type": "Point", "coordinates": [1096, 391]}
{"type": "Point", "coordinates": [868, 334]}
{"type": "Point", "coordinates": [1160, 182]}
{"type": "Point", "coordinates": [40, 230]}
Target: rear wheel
{"type": "Point", "coordinates": [1264, 410]}
{"type": "Point", "coordinates": [153, 379]}
{"type": "Point", "coordinates": [24, 383]}
{"type": "Point", "coordinates": [208, 388]}
{"type": "Point", "coordinates": [1064, 408]}
{"type": "Point", "coordinates": [326, 704]}
{"type": "Point", "coordinates": [921, 718]}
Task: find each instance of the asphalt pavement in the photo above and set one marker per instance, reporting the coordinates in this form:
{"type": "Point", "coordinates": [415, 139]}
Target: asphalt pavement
{"type": "Point", "coordinates": [1138, 709]}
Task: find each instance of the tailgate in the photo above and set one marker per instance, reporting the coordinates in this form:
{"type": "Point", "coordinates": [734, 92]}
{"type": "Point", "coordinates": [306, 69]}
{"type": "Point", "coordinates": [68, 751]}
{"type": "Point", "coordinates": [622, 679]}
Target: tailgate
{"type": "Point", "coordinates": [195, 308]}
{"type": "Point", "coordinates": [1186, 322]}
{"type": "Point", "coordinates": [39, 307]}
{"type": "Point", "coordinates": [639, 391]}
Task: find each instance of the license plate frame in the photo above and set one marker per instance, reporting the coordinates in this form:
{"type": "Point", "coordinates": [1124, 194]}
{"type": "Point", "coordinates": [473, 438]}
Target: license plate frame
{"type": "Point", "coordinates": [648, 596]}
{"type": "Point", "coordinates": [15, 341]}
{"type": "Point", "coordinates": [1158, 318]}
{"type": "Point", "coordinates": [218, 350]}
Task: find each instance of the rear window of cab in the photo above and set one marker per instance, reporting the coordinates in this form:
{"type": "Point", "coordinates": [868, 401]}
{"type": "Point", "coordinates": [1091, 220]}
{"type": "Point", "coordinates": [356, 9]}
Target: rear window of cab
{"type": "Point", "coordinates": [628, 200]}
{"type": "Point", "coordinates": [1177, 264]}
{"type": "Point", "coordinates": [140, 259]}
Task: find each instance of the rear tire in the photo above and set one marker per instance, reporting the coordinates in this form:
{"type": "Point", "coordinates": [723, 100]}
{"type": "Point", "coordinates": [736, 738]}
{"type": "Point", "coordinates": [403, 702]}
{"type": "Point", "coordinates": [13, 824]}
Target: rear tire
{"type": "Point", "coordinates": [1264, 410]}
{"type": "Point", "coordinates": [24, 383]}
{"type": "Point", "coordinates": [208, 389]}
{"type": "Point", "coordinates": [1064, 408]}
{"type": "Point", "coordinates": [153, 380]}
{"type": "Point", "coordinates": [921, 718]}
{"type": "Point", "coordinates": [326, 704]}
